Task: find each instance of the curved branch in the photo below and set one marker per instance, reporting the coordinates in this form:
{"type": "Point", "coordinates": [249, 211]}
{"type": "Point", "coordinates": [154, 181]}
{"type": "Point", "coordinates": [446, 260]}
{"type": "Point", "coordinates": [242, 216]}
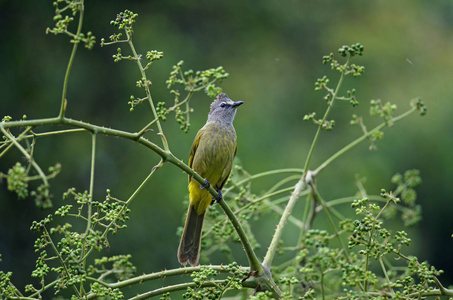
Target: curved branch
{"type": "Point", "coordinates": [166, 156]}
{"type": "Point", "coordinates": [164, 274]}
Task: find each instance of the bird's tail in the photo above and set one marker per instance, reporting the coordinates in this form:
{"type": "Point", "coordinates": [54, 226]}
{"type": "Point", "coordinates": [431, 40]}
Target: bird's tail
{"type": "Point", "coordinates": [189, 247]}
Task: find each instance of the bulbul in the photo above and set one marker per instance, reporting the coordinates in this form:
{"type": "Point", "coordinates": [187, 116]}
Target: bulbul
{"type": "Point", "coordinates": [211, 156]}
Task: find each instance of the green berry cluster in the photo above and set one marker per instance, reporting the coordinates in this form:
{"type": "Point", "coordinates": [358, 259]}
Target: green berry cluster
{"type": "Point", "coordinates": [63, 19]}
{"type": "Point", "coordinates": [7, 288]}
{"type": "Point", "coordinates": [324, 124]}
{"type": "Point", "coordinates": [356, 49]}
{"type": "Point", "coordinates": [161, 111]}
{"type": "Point", "coordinates": [419, 105]}
{"type": "Point", "coordinates": [207, 287]}
{"type": "Point", "coordinates": [376, 243]}
{"type": "Point", "coordinates": [405, 191]}
{"type": "Point", "coordinates": [124, 21]}
{"type": "Point", "coordinates": [332, 94]}
{"type": "Point", "coordinates": [18, 179]}
{"type": "Point", "coordinates": [119, 265]}
{"type": "Point", "coordinates": [6, 119]}
{"type": "Point", "coordinates": [153, 56]}
{"type": "Point", "coordinates": [134, 102]}
{"type": "Point", "coordinates": [70, 247]}
{"type": "Point", "coordinates": [194, 81]}
{"type": "Point", "coordinates": [180, 118]}
{"type": "Point", "coordinates": [105, 292]}
{"type": "Point", "coordinates": [385, 111]}
{"type": "Point", "coordinates": [348, 52]}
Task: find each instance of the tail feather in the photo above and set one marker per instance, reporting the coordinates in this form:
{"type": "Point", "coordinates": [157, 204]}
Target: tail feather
{"type": "Point", "coordinates": [189, 247]}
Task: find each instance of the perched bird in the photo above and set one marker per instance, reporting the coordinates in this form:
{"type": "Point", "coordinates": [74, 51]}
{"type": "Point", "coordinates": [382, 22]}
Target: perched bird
{"type": "Point", "coordinates": [211, 156]}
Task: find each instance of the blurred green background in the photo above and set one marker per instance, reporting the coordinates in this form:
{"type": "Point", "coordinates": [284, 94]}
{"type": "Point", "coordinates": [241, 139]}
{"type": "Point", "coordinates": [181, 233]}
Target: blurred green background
{"type": "Point", "coordinates": [273, 51]}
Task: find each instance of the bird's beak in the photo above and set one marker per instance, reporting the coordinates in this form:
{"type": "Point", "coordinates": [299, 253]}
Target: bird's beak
{"type": "Point", "coordinates": [237, 103]}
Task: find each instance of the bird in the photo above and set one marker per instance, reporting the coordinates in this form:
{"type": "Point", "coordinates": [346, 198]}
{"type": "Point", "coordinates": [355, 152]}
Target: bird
{"type": "Point", "coordinates": [211, 156]}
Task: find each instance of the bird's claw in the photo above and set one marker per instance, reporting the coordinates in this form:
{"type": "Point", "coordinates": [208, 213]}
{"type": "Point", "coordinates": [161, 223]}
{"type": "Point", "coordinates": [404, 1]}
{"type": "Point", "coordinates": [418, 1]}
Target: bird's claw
{"type": "Point", "coordinates": [206, 185]}
{"type": "Point", "coordinates": [219, 198]}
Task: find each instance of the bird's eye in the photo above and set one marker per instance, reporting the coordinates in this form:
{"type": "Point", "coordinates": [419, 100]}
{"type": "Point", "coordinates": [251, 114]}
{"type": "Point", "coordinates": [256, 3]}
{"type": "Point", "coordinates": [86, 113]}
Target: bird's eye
{"type": "Point", "coordinates": [223, 104]}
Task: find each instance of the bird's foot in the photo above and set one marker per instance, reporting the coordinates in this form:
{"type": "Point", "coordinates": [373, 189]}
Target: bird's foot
{"type": "Point", "coordinates": [219, 198]}
{"type": "Point", "coordinates": [206, 185]}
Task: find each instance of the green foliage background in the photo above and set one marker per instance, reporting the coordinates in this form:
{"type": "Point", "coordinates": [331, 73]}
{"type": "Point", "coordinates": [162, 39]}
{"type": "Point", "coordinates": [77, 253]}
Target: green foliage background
{"type": "Point", "coordinates": [273, 51]}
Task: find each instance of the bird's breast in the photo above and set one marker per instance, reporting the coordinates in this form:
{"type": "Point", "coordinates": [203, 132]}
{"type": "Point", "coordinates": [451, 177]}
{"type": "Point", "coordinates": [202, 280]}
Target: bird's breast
{"type": "Point", "coordinates": [215, 151]}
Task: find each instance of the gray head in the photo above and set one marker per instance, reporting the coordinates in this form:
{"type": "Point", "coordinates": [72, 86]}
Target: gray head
{"type": "Point", "coordinates": [223, 109]}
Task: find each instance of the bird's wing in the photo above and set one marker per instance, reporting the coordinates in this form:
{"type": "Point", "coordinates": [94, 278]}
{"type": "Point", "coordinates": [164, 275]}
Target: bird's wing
{"type": "Point", "coordinates": [227, 171]}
